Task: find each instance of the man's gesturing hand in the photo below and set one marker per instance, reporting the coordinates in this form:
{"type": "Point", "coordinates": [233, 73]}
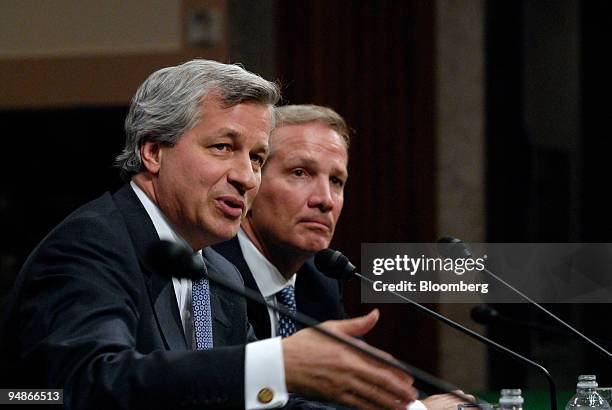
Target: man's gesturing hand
{"type": "Point", "coordinates": [446, 401]}
{"type": "Point", "coordinates": [316, 365]}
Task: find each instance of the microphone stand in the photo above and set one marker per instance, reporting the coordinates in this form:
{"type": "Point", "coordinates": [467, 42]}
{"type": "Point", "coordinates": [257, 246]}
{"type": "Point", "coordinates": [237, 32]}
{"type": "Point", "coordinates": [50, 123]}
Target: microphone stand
{"type": "Point", "coordinates": [173, 256]}
{"type": "Point", "coordinates": [490, 319]}
{"type": "Point", "coordinates": [463, 250]}
{"type": "Point", "coordinates": [600, 349]}
{"type": "Point", "coordinates": [307, 321]}
{"type": "Point", "coordinates": [551, 384]}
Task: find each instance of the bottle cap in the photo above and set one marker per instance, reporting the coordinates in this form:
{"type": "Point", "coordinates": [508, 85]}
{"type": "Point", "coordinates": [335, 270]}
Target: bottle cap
{"type": "Point", "coordinates": [587, 381]}
{"type": "Point", "coordinates": [511, 397]}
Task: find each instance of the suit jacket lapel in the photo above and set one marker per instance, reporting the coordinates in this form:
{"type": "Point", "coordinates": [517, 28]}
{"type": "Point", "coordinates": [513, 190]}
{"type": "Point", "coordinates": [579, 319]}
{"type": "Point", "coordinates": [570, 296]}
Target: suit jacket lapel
{"type": "Point", "coordinates": [221, 306]}
{"type": "Point", "coordinates": [257, 314]}
{"type": "Point", "coordinates": [159, 284]}
{"type": "Point", "coordinates": [161, 292]}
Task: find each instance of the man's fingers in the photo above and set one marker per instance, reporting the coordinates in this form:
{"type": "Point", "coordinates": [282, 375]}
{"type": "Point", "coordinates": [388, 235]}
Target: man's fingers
{"type": "Point", "coordinates": [358, 326]}
{"type": "Point", "coordinates": [445, 401]}
{"type": "Point", "coordinates": [375, 394]}
{"type": "Point", "coordinates": [393, 379]}
{"type": "Point", "coordinates": [465, 396]}
{"type": "Point", "coordinates": [369, 369]}
{"type": "Point", "coordinates": [395, 382]}
{"type": "Point", "coordinates": [316, 365]}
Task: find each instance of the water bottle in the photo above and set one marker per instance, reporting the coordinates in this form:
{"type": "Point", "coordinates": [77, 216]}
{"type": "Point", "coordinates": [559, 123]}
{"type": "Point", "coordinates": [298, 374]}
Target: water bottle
{"type": "Point", "coordinates": [511, 399]}
{"type": "Point", "coordinates": [586, 396]}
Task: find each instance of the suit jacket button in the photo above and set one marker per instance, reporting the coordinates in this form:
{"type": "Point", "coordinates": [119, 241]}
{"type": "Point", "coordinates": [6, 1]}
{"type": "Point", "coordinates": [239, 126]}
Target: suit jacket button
{"type": "Point", "coordinates": [265, 395]}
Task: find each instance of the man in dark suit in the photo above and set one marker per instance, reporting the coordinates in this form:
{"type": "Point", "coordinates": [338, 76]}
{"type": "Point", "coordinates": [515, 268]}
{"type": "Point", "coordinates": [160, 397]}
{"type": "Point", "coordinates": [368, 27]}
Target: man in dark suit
{"type": "Point", "coordinates": [294, 216]}
{"type": "Point", "coordinates": [90, 314]}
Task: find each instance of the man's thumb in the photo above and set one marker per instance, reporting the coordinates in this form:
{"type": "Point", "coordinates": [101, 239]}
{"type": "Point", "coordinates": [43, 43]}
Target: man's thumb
{"type": "Point", "coordinates": [359, 326]}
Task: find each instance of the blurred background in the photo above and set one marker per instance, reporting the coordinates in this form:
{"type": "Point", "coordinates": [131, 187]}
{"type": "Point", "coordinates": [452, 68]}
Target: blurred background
{"type": "Point", "coordinates": [481, 119]}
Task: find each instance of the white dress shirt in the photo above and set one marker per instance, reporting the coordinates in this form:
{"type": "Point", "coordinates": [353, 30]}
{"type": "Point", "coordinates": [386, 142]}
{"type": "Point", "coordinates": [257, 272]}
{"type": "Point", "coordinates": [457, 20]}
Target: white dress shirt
{"type": "Point", "coordinates": [264, 366]}
{"type": "Point", "coordinates": [270, 281]}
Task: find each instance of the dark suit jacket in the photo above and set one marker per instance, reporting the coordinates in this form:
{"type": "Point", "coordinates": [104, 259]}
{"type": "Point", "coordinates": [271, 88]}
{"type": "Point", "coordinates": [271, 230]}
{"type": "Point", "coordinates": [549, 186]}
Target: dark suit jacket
{"type": "Point", "coordinates": [316, 295]}
{"type": "Point", "coordinates": [89, 315]}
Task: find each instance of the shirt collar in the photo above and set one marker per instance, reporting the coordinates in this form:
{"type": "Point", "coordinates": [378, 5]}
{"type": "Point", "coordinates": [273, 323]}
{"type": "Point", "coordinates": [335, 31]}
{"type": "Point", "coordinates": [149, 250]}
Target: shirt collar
{"type": "Point", "coordinates": [160, 222]}
{"type": "Point", "coordinates": [268, 278]}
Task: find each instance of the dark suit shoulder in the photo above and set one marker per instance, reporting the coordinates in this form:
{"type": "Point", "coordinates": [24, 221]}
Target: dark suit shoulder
{"type": "Point", "coordinates": [310, 278]}
{"type": "Point", "coordinates": [94, 233]}
{"type": "Point", "coordinates": [97, 212]}
{"type": "Point", "coordinates": [317, 295]}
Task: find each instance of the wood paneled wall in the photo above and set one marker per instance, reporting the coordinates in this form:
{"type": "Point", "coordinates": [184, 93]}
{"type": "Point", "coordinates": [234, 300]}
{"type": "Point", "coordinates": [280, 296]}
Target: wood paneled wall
{"type": "Point", "coordinates": [373, 63]}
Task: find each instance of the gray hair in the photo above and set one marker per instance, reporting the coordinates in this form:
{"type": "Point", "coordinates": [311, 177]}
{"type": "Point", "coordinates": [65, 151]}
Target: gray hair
{"type": "Point", "coordinates": [167, 104]}
{"type": "Point", "coordinates": [305, 113]}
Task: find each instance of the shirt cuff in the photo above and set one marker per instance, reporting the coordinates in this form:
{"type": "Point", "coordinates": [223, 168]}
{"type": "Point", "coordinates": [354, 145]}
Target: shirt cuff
{"type": "Point", "coordinates": [264, 375]}
{"type": "Point", "coordinates": [416, 405]}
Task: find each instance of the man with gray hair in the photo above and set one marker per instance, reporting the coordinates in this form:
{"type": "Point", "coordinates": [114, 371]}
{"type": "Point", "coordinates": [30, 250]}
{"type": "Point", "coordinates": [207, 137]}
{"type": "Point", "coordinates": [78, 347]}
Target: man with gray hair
{"type": "Point", "coordinates": [91, 314]}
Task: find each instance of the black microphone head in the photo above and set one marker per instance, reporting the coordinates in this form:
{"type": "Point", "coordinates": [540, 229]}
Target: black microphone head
{"type": "Point", "coordinates": [334, 264]}
{"type": "Point", "coordinates": [453, 248]}
{"type": "Point", "coordinates": [484, 314]}
{"type": "Point", "coordinates": [175, 259]}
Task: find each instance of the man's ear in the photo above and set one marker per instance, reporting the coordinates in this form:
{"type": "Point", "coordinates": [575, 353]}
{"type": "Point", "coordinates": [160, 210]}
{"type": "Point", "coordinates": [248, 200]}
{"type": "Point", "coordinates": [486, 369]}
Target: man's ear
{"type": "Point", "coordinates": [150, 154]}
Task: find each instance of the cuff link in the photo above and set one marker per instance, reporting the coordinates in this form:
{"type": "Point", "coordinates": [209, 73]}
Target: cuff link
{"type": "Point", "coordinates": [265, 395]}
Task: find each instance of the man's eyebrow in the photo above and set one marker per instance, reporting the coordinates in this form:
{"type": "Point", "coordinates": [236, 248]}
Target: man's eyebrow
{"type": "Point", "coordinates": [236, 135]}
{"type": "Point", "coordinates": [228, 132]}
{"type": "Point", "coordinates": [310, 161]}
{"type": "Point", "coordinates": [302, 159]}
{"type": "Point", "coordinates": [342, 172]}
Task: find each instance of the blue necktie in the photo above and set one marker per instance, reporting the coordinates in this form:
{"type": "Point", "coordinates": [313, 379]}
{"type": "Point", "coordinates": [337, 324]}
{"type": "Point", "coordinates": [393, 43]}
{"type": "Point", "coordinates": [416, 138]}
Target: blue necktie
{"type": "Point", "coordinates": [286, 325]}
{"type": "Point", "coordinates": [202, 317]}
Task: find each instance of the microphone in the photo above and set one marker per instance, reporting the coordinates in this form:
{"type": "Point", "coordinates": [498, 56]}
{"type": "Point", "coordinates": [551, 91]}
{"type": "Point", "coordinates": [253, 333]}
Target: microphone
{"type": "Point", "coordinates": [484, 314]}
{"type": "Point", "coordinates": [335, 265]}
{"type": "Point", "coordinates": [448, 251]}
{"type": "Point", "coordinates": [487, 315]}
{"type": "Point", "coordinates": [453, 248]}
{"type": "Point", "coordinates": [173, 257]}
{"type": "Point", "coordinates": [183, 263]}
